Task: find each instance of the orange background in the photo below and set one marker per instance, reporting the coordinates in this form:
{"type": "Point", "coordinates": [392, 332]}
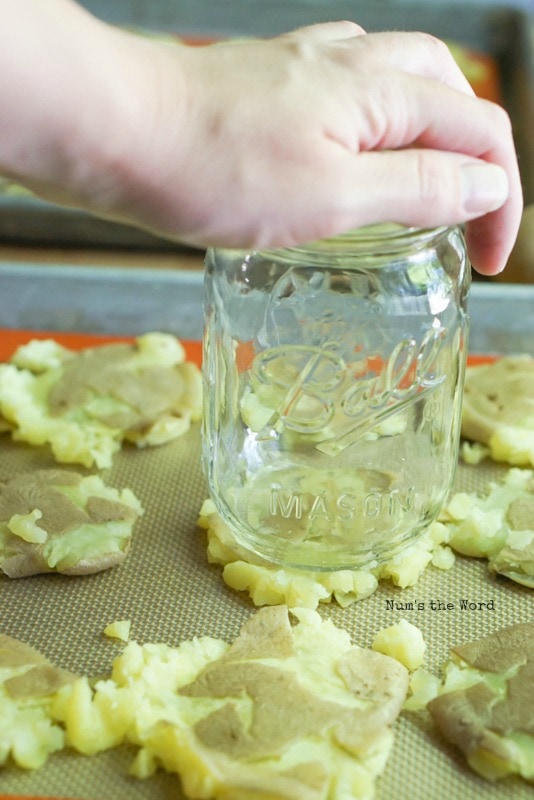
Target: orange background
{"type": "Point", "coordinates": [11, 339]}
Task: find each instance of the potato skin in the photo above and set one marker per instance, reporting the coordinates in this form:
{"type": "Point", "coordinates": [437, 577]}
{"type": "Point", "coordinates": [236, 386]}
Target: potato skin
{"type": "Point", "coordinates": [482, 718]}
{"type": "Point", "coordinates": [57, 504]}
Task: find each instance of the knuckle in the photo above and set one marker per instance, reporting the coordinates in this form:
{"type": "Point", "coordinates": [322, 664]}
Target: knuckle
{"type": "Point", "coordinates": [351, 28]}
{"type": "Point", "coordinates": [431, 39]}
{"type": "Point", "coordinates": [438, 46]}
{"type": "Point", "coordinates": [439, 52]}
{"type": "Point", "coordinates": [501, 118]}
{"type": "Point", "coordinates": [431, 180]}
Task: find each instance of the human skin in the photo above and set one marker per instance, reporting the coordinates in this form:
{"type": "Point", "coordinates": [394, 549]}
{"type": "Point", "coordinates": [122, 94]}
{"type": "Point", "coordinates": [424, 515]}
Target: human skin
{"type": "Point", "coordinates": [253, 144]}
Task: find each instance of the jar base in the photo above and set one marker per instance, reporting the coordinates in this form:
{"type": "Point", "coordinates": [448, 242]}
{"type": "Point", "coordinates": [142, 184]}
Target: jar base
{"type": "Point", "coordinates": [307, 558]}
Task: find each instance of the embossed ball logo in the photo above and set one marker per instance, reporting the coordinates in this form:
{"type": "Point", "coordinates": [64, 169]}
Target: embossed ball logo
{"type": "Point", "coordinates": [321, 393]}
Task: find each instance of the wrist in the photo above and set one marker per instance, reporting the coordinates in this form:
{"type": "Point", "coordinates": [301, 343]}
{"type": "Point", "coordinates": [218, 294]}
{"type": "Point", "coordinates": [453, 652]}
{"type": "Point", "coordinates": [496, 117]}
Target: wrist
{"type": "Point", "coordinates": [74, 103]}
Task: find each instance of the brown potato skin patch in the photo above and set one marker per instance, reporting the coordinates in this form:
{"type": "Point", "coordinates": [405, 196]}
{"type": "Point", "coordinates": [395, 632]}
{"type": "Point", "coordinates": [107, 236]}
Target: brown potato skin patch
{"type": "Point", "coordinates": [24, 493]}
{"type": "Point", "coordinates": [148, 392]}
{"type": "Point", "coordinates": [40, 680]}
{"type": "Point", "coordinates": [41, 490]}
{"type": "Point", "coordinates": [14, 653]}
{"type": "Point", "coordinates": [508, 647]}
{"type": "Point", "coordinates": [477, 719]}
{"type": "Point", "coordinates": [282, 709]}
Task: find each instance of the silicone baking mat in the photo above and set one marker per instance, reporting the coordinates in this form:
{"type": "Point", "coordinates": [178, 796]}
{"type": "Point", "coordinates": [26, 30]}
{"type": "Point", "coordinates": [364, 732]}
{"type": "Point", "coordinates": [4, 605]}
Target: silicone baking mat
{"type": "Point", "coordinates": [170, 593]}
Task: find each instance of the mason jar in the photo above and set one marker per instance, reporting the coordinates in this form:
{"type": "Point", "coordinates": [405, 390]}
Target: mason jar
{"type": "Point", "coordinates": [333, 376]}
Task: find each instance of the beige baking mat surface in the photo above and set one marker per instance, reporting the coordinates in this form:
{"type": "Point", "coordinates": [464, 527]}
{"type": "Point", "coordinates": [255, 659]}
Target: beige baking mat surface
{"type": "Point", "coordinates": [171, 593]}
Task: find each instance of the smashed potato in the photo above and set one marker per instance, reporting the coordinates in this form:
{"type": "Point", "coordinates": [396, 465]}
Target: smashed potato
{"type": "Point", "coordinates": [402, 641]}
{"type": "Point", "coordinates": [269, 584]}
{"type": "Point", "coordinates": [120, 629]}
{"type": "Point", "coordinates": [58, 521]}
{"type": "Point", "coordinates": [498, 408]}
{"type": "Point", "coordinates": [486, 704]}
{"type": "Point", "coordinates": [28, 685]}
{"type": "Point", "coordinates": [85, 404]}
{"type": "Point", "coordinates": [499, 526]}
{"type": "Point", "coordinates": [287, 712]}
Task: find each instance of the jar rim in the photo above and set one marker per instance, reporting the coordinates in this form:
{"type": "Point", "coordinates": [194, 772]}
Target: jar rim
{"type": "Point", "coordinates": [385, 239]}
{"type": "Point", "coordinates": [383, 234]}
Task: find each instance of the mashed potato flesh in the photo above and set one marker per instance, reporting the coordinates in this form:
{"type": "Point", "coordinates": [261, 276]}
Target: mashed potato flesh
{"type": "Point", "coordinates": [86, 404]}
{"type": "Point", "coordinates": [287, 712]}
{"type": "Point", "coordinates": [269, 584]}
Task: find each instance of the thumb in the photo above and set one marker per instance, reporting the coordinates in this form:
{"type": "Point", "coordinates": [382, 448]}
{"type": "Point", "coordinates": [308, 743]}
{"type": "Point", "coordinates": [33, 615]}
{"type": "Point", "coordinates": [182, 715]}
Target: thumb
{"type": "Point", "coordinates": [427, 187]}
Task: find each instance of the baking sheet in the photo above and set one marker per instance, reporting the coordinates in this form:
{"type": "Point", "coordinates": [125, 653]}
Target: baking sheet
{"type": "Point", "coordinates": [502, 33]}
{"type": "Point", "coordinates": [133, 301]}
{"type": "Point", "coordinates": [170, 592]}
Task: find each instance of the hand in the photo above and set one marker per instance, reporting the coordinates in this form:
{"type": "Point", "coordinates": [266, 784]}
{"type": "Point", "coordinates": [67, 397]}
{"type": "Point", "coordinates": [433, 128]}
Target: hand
{"type": "Point", "coordinates": [322, 130]}
{"type": "Point", "coordinates": [254, 144]}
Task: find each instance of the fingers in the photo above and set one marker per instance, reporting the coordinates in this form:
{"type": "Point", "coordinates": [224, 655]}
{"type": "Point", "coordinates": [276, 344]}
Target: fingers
{"type": "Point", "coordinates": [409, 111]}
{"type": "Point", "coordinates": [418, 54]}
{"type": "Point", "coordinates": [427, 188]}
{"type": "Point", "coordinates": [490, 241]}
{"type": "Point", "coordinates": [359, 129]}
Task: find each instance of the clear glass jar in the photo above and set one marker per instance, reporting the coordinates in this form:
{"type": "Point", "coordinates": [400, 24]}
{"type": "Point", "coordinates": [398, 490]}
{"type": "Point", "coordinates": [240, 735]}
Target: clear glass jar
{"type": "Point", "coordinates": [333, 378]}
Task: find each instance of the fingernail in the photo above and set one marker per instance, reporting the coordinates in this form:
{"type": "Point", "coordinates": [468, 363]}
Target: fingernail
{"type": "Point", "coordinates": [484, 187]}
